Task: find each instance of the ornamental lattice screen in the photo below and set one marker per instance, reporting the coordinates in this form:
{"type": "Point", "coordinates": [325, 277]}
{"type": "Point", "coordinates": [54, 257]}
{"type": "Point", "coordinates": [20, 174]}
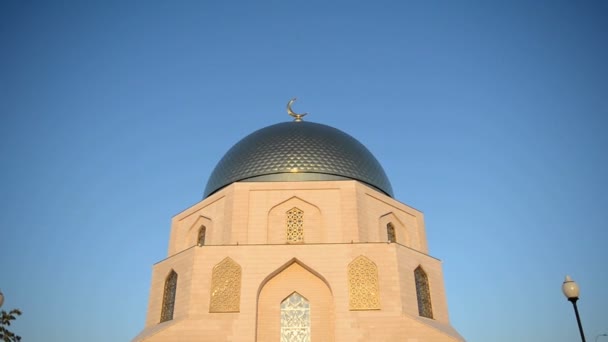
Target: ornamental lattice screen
{"type": "Point", "coordinates": [295, 226]}
{"type": "Point", "coordinates": [295, 319]}
{"type": "Point", "coordinates": [363, 285]}
{"type": "Point", "coordinates": [225, 287]}
{"type": "Point", "coordinates": [168, 307]}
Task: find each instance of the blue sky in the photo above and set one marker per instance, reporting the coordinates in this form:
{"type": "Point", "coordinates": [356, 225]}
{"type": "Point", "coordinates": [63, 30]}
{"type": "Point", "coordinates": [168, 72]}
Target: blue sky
{"type": "Point", "coordinates": [490, 117]}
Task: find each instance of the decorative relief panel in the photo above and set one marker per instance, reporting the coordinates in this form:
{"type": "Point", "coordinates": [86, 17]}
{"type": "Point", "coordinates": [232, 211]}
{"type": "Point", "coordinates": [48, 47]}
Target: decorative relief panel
{"type": "Point", "coordinates": [425, 309]}
{"type": "Point", "coordinates": [295, 319]}
{"type": "Point", "coordinates": [363, 285]}
{"type": "Point", "coordinates": [166, 313]}
{"type": "Point", "coordinates": [225, 287]}
{"type": "Point", "coordinates": [295, 226]}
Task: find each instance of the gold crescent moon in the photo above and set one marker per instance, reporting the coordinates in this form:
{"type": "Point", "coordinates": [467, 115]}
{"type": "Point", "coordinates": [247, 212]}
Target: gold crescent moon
{"type": "Point", "coordinates": [298, 117]}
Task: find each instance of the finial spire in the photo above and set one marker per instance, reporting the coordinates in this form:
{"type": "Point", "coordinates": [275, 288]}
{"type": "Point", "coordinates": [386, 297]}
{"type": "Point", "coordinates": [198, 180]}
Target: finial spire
{"type": "Point", "coordinates": [297, 117]}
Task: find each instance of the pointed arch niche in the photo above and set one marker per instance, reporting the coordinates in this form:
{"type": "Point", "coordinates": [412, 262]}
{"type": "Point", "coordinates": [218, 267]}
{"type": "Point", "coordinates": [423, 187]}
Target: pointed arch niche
{"type": "Point", "coordinates": [390, 232]}
{"type": "Point", "coordinates": [390, 222]}
{"type": "Point", "coordinates": [202, 226]}
{"type": "Point", "coordinates": [202, 232]}
{"type": "Point", "coordinates": [279, 286]}
{"type": "Point", "coordinates": [312, 224]}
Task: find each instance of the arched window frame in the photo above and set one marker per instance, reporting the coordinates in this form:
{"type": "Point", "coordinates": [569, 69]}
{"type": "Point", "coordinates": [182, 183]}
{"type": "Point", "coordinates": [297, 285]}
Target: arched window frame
{"type": "Point", "coordinates": [169, 297]}
{"type": "Point", "coordinates": [202, 232]}
{"type": "Point", "coordinates": [423, 293]}
{"type": "Point", "coordinates": [295, 225]}
{"type": "Point", "coordinates": [295, 318]}
{"type": "Point", "coordinates": [390, 232]}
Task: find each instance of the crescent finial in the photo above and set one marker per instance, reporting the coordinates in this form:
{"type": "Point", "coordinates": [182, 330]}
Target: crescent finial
{"type": "Point", "coordinates": [297, 117]}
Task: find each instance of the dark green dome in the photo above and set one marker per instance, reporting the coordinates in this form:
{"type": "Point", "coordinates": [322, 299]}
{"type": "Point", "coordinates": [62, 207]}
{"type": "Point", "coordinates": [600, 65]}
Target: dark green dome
{"type": "Point", "coordinates": [298, 151]}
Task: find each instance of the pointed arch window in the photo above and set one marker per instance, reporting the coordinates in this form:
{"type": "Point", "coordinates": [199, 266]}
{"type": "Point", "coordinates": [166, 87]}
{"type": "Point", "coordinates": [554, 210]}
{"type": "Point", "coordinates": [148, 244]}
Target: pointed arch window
{"type": "Point", "coordinates": [201, 236]}
{"type": "Point", "coordinates": [363, 285]}
{"type": "Point", "coordinates": [225, 287]}
{"type": "Point", "coordinates": [295, 225]}
{"type": "Point", "coordinates": [425, 309]}
{"type": "Point", "coordinates": [295, 319]}
{"type": "Point", "coordinates": [169, 297]}
{"type": "Point", "coordinates": [390, 232]}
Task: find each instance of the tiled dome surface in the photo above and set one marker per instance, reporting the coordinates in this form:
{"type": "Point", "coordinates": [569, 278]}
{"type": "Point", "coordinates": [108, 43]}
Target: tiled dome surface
{"type": "Point", "coordinates": [298, 150]}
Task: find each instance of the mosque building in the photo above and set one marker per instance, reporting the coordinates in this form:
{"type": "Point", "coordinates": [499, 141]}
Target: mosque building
{"type": "Point", "coordinates": [298, 238]}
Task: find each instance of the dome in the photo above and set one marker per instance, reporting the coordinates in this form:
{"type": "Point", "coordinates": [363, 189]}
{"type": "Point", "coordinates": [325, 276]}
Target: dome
{"type": "Point", "coordinates": [298, 151]}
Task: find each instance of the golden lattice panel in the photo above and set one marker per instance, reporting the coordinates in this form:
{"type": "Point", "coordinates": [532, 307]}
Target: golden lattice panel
{"type": "Point", "coordinates": [363, 285]}
{"type": "Point", "coordinates": [295, 226]}
{"type": "Point", "coordinates": [225, 287]}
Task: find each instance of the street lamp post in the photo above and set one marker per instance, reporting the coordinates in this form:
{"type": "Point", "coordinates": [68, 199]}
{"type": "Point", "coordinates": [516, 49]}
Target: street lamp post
{"type": "Point", "coordinates": [571, 291]}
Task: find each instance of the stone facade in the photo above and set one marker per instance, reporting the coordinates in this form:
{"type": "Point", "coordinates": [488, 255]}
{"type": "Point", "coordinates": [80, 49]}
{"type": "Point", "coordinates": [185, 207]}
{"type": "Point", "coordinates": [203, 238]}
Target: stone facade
{"type": "Point", "coordinates": [359, 286]}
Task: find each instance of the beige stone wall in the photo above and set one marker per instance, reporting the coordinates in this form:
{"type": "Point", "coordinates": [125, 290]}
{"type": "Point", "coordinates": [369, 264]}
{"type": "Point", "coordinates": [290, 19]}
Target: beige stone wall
{"type": "Point", "coordinates": [342, 221]}
{"type": "Point", "coordinates": [339, 211]}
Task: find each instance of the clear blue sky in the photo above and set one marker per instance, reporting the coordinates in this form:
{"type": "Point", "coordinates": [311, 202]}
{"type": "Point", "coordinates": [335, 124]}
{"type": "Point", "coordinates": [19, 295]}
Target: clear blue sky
{"type": "Point", "coordinates": [490, 117]}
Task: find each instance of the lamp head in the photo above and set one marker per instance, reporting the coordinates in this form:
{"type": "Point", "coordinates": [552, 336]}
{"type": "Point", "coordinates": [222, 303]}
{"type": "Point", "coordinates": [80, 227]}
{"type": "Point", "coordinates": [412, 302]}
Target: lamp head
{"type": "Point", "coordinates": [570, 289]}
